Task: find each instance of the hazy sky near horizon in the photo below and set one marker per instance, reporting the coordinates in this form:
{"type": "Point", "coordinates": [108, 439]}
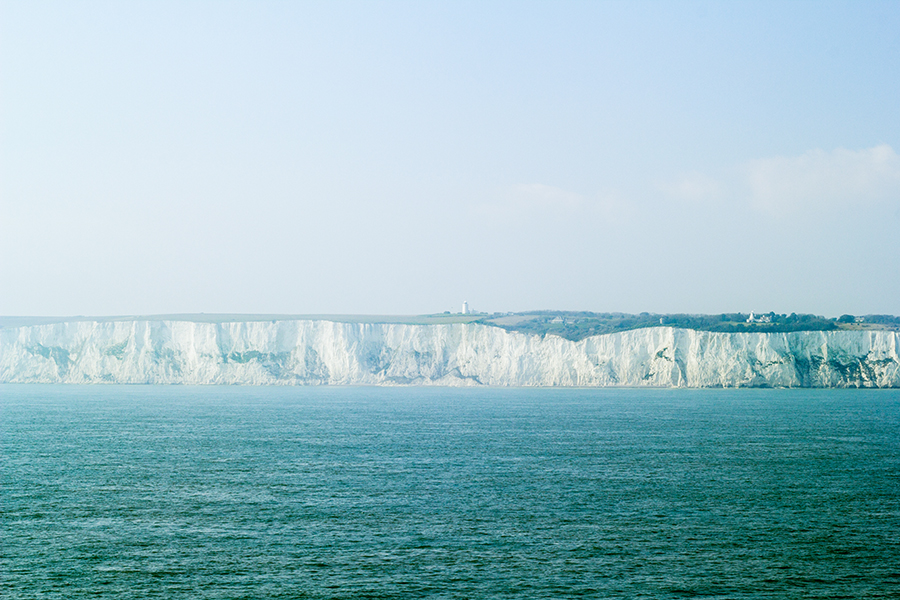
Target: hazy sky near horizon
{"type": "Point", "coordinates": [401, 157]}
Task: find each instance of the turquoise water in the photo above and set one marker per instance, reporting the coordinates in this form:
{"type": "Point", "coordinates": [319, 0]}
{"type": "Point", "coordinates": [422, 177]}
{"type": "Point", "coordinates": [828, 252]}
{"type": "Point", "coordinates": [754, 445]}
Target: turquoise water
{"type": "Point", "coordinates": [180, 492]}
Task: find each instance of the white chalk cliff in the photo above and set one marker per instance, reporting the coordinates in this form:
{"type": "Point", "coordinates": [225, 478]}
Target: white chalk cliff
{"type": "Point", "coordinates": [325, 352]}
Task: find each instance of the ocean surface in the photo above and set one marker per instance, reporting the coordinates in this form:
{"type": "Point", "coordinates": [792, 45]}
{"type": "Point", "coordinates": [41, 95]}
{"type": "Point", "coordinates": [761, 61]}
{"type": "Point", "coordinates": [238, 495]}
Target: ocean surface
{"type": "Point", "coordinates": [242, 492]}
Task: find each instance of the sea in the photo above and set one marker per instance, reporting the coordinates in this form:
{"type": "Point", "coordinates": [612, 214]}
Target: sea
{"type": "Point", "coordinates": [410, 492]}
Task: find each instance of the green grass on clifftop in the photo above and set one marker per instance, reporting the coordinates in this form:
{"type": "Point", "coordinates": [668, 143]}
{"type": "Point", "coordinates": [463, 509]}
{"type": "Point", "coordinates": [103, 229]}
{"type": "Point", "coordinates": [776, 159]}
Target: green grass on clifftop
{"type": "Point", "coordinates": [569, 325]}
{"type": "Point", "coordinates": [434, 319]}
{"type": "Point", "coordinates": [579, 325]}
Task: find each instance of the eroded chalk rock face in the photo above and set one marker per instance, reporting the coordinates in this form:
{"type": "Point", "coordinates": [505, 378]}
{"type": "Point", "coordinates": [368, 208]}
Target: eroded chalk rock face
{"type": "Point", "coordinates": [325, 352]}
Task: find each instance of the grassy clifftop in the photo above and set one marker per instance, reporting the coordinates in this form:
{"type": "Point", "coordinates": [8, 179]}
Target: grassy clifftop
{"type": "Point", "coordinates": [579, 325]}
{"type": "Point", "coordinates": [236, 318]}
{"type": "Point", "coordinates": [570, 325]}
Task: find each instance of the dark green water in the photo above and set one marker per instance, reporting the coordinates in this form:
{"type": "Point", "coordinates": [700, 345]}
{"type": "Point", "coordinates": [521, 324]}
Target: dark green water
{"type": "Point", "coordinates": [175, 492]}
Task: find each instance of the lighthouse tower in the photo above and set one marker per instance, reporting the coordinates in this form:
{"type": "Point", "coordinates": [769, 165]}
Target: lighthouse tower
{"type": "Point", "coordinates": [465, 308]}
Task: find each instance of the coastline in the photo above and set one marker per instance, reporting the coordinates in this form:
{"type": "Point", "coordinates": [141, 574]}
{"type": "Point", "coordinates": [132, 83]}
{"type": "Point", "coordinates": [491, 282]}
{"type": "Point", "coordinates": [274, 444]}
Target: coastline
{"type": "Point", "coordinates": [322, 352]}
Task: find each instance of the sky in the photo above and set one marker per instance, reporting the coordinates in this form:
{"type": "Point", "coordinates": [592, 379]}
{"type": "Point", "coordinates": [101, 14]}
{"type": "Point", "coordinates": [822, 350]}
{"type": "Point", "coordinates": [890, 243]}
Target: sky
{"type": "Point", "coordinates": [402, 157]}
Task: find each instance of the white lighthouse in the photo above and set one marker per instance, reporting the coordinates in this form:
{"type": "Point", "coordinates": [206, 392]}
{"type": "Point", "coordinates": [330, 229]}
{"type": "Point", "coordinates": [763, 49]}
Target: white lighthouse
{"type": "Point", "coordinates": [465, 308]}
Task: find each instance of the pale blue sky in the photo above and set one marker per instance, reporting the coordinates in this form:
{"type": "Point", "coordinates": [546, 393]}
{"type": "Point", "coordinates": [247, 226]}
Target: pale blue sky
{"type": "Point", "coordinates": [403, 157]}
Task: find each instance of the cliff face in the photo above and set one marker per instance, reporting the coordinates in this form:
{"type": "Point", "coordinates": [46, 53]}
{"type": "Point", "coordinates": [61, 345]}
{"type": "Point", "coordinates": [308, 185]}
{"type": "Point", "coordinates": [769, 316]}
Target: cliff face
{"type": "Point", "coordinates": [324, 352]}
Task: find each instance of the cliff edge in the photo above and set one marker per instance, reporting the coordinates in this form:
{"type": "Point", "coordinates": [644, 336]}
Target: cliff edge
{"type": "Point", "coordinates": [314, 352]}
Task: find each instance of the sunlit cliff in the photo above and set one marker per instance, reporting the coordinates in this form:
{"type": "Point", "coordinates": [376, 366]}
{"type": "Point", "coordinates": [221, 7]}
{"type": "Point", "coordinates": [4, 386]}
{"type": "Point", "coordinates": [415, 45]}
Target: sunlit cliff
{"type": "Point", "coordinates": [305, 352]}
